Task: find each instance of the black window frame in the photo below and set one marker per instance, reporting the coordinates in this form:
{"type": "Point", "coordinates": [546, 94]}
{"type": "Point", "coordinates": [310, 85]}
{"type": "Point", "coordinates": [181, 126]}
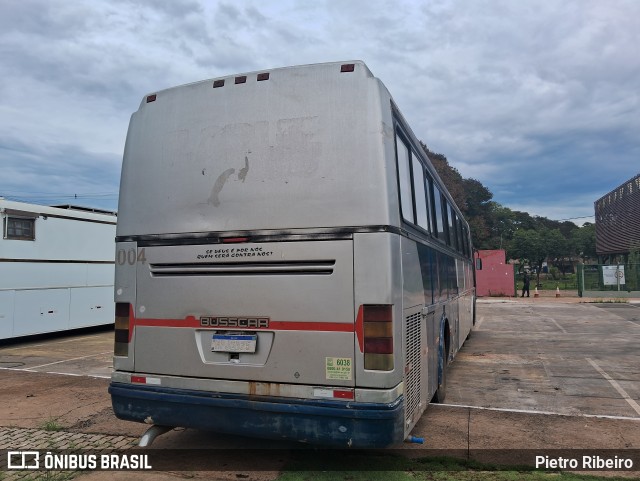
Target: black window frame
{"type": "Point", "coordinates": [7, 228]}
{"type": "Point", "coordinates": [400, 138]}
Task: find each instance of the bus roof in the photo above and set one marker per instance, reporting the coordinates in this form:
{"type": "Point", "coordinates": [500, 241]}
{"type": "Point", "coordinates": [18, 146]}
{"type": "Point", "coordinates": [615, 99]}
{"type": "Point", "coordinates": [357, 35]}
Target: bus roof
{"type": "Point", "coordinates": [290, 148]}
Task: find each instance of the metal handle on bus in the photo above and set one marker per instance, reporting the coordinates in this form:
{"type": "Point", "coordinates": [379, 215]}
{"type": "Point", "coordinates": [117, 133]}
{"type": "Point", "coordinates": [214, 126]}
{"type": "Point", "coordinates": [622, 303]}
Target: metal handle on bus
{"type": "Point", "coordinates": [428, 310]}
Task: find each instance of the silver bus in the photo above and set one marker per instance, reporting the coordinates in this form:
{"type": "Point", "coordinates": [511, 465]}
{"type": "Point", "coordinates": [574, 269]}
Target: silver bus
{"type": "Point", "coordinates": [289, 265]}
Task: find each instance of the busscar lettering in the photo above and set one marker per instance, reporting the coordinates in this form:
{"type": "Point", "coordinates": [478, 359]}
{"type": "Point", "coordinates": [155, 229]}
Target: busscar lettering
{"type": "Point", "coordinates": [243, 322]}
{"type": "Point", "coordinates": [234, 252]}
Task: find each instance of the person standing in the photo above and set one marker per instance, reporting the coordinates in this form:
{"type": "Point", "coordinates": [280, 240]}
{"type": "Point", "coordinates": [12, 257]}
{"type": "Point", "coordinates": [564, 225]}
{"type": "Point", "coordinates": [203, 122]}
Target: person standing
{"type": "Point", "coordinates": [525, 284]}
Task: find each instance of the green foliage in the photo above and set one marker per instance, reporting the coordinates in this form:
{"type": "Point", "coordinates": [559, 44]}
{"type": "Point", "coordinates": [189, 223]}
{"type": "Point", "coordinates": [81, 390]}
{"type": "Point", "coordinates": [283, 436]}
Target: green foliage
{"type": "Point", "coordinates": [633, 269]}
{"type": "Point", "coordinates": [382, 467]}
{"type": "Point", "coordinates": [583, 241]}
{"type": "Point", "coordinates": [494, 226]}
{"type": "Point", "coordinates": [51, 424]}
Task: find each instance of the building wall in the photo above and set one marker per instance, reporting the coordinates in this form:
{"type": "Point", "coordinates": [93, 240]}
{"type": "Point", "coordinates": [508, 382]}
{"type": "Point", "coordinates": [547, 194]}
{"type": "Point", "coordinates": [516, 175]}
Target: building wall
{"type": "Point", "coordinates": [496, 276]}
{"type": "Point", "coordinates": [618, 219]}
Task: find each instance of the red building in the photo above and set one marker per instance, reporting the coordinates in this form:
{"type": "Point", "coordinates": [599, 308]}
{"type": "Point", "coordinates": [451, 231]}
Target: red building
{"type": "Point", "coordinates": [494, 277]}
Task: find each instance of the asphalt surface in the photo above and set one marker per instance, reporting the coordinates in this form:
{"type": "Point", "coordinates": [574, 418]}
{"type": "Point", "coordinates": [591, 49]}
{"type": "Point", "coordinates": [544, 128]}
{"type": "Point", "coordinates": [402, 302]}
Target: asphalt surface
{"type": "Point", "coordinates": [550, 356]}
{"type": "Point", "coordinates": [535, 374]}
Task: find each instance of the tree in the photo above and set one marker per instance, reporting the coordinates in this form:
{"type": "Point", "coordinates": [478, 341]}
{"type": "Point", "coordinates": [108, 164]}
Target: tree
{"type": "Point", "coordinates": [450, 176]}
{"type": "Point", "coordinates": [478, 198]}
{"type": "Point", "coordinates": [558, 247]}
{"type": "Point", "coordinates": [478, 212]}
{"type": "Point", "coordinates": [503, 224]}
{"type": "Point", "coordinates": [493, 226]}
{"type": "Point", "coordinates": [535, 246]}
{"type": "Point", "coordinates": [633, 268]}
{"type": "Point", "coordinates": [583, 241]}
{"type": "Point", "coordinates": [525, 246]}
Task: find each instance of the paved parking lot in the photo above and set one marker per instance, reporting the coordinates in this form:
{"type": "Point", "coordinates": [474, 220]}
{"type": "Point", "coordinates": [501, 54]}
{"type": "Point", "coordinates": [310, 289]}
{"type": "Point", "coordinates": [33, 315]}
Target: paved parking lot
{"type": "Point", "coordinates": [547, 356]}
{"type": "Point", "coordinates": [81, 353]}
{"type": "Point", "coordinates": [534, 374]}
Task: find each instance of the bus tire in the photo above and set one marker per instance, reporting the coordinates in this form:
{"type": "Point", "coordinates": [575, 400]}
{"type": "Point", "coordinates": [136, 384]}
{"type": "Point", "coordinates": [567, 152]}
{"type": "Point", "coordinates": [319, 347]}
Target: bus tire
{"type": "Point", "coordinates": [474, 310]}
{"type": "Point", "coordinates": [441, 392]}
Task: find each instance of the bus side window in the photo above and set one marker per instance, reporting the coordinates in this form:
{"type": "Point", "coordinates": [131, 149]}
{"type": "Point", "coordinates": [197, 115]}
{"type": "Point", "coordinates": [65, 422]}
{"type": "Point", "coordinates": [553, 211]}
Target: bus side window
{"type": "Point", "coordinates": [404, 177]}
{"type": "Point", "coordinates": [422, 217]}
{"type": "Point", "coordinates": [438, 224]}
{"type": "Point", "coordinates": [445, 220]}
{"type": "Point", "coordinates": [428, 186]}
{"type": "Point", "coordinates": [426, 256]}
{"type": "Point", "coordinates": [453, 228]}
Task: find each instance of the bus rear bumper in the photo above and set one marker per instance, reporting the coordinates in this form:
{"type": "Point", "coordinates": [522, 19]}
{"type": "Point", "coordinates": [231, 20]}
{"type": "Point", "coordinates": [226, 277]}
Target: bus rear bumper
{"type": "Point", "coordinates": [322, 422]}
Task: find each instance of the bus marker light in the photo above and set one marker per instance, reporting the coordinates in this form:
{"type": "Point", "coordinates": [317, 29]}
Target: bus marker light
{"type": "Point", "coordinates": [263, 76]}
{"type": "Point", "coordinates": [241, 80]}
{"type": "Point", "coordinates": [347, 67]}
{"type": "Point", "coordinates": [235, 240]}
{"type": "Point", "coordinates": [151, 98]}
{"type": "Point", "coordinates": [218, 83]}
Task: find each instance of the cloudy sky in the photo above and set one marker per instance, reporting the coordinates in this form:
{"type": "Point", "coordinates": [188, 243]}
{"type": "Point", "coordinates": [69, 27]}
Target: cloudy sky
{"type": "Point", "coordinates": [539, 100]}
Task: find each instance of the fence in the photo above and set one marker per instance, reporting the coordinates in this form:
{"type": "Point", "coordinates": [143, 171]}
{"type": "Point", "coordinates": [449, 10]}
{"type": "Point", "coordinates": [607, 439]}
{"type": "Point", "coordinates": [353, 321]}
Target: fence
{"type": "Point", "coordinates": [621, 280]}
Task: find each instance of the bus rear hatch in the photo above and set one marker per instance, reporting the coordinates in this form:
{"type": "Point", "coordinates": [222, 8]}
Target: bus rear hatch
{"type": "Point", "coordinates": [281, 312]}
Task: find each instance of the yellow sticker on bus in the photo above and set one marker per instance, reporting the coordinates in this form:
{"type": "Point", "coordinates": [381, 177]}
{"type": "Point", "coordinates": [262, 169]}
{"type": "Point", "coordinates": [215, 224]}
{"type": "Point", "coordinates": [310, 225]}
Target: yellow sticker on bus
{"type": "Point", "coordinates": [338, 368]}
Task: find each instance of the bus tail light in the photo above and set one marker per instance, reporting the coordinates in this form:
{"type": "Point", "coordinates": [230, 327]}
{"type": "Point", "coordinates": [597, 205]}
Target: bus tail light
{"type": "Point", "coordinates": [123, 326]}
{"type": "Point", "coordinates": [378, 337]}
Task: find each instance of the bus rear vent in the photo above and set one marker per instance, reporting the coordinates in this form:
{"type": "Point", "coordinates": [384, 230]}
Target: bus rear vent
{"type": "Point", "coordinates": [282, 268]}
{"type": "Point", "coordinates": [413, 365]}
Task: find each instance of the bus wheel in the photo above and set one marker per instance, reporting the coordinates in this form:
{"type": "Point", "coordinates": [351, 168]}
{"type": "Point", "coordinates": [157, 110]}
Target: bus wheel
{"type": "Point", "coordinates": [441, 392]}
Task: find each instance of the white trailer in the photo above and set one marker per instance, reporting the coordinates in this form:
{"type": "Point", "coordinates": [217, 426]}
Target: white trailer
{"type": "Point", "coordinates": [56, 268]}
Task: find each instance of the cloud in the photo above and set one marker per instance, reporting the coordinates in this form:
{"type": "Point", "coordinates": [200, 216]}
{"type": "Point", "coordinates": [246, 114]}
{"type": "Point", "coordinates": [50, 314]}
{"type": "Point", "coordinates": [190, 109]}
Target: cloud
{"type": "Point", "coordinates": [58, 174]}
{"type": "Point", "coordinates": [515, 94]}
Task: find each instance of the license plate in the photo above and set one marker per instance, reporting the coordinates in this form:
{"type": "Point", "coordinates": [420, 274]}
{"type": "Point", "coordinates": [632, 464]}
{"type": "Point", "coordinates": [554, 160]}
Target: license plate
{"type": "Point", "coordinates": [234, 343]}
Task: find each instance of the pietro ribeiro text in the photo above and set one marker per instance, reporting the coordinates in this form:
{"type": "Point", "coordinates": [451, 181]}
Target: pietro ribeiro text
{"type": "Point", "coordinates": [584, 462]}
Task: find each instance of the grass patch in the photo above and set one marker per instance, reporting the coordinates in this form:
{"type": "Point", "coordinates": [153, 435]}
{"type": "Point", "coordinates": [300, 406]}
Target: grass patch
{"type": "Point", "coordinates": [50, 476]}
{"type": "Point", "coordinates": [51, 424]}
{"type": "Point", "coordinates": [349, 466]}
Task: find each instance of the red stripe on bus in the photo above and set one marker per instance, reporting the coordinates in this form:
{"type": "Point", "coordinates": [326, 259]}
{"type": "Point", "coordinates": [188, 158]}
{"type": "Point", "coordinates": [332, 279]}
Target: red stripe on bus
{"type": "Point", "coordinates": [192, 322]}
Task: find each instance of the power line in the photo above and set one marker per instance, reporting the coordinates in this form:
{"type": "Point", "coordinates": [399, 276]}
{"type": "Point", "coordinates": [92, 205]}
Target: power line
{"type": "Point", "coordinates": [573, 218]}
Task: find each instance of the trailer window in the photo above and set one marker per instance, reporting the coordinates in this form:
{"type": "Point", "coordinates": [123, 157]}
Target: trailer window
{"type": "Point", "coordinates": [19, 228]}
